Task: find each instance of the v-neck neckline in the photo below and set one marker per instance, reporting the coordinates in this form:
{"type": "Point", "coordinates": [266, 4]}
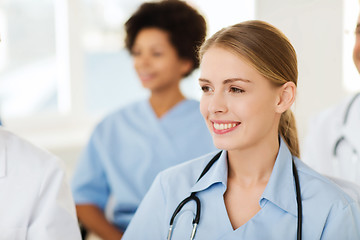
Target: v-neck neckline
{"type": "Point", "coordinates": [168, 113]}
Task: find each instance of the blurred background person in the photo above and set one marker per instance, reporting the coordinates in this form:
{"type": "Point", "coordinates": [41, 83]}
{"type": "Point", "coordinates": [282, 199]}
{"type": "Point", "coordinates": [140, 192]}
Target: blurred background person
{"type": "Point", "coordinates": [131, 145]}
{"type": "Point", "coordinates": [333, 142]}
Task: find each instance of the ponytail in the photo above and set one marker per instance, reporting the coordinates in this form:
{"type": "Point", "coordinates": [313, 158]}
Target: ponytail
{"type": "Point", "coordinates": [288, 131]}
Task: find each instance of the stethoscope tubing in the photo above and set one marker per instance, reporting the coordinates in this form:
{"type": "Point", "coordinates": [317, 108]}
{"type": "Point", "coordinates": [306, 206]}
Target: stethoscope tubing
{"type": "Point", "coordinates": [298, 200]}
{"type": "Point", "coordinates": [196, 220]}
{"type": "Point", "coordinates": [190, 198]}
{"type": "Point", "coordinates": [193, 197]}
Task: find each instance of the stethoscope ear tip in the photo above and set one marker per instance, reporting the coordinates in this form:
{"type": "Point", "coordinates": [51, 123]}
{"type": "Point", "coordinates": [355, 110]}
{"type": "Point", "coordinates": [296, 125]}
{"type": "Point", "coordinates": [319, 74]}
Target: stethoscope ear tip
{"type": "Point", "coordinates": [170, 232]}
{"type": "Point", "coordinates": [193, 231]}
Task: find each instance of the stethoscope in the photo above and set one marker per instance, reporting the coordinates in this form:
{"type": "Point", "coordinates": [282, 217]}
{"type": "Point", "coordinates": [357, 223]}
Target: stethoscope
{"type": "Point", "coordinates": [193, 197]}
{"type": "Point", "coordinates": [342, 138]}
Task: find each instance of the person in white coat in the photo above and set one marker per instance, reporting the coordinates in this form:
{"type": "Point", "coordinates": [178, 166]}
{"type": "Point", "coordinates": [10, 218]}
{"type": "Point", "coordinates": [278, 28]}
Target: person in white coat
{"type": "Point", "coordinates": [35, 199]}
{"type": "Point", "coordinates": [332, 145]}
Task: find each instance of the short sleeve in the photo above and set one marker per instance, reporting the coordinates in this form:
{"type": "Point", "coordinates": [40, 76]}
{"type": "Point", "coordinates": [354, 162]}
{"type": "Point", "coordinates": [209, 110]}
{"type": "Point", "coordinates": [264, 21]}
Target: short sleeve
{"type": "Point", "coordinates": [343, 222]}
{"type": "Point", "coordinates": [89, 183]}
{"type": "Point", "coordinates": [149, 219]}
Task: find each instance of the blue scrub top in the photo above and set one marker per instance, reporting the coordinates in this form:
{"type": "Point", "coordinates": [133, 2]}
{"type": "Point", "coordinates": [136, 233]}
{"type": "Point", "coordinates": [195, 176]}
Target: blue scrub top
{"type": "Point", "coordinates": [328, 213]}
{"type": "Point", "coordinates": [129, 148]}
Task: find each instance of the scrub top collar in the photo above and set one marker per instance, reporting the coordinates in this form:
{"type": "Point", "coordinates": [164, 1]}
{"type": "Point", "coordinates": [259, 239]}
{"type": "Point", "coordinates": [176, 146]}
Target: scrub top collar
{"type": "Point", "coordinates": [280, 184]}
{"type": "Point", "coordinates": [217, 174]}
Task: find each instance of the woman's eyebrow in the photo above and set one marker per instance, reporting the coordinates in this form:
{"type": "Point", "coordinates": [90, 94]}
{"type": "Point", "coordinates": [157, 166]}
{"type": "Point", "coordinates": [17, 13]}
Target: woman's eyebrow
{"type": "Point", "coordinates": [227, 81]}
{"type": "Point", "coordinates": [204, 80]}
{"type": "Point", "coordinates": [231, 80]}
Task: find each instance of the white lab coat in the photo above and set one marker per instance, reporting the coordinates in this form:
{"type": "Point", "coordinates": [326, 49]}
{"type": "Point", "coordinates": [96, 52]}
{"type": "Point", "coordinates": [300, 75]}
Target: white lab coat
{"type": "Point", "coordinates": [324, 131]}
{"type": "Point", "coordinates": [35, 199]}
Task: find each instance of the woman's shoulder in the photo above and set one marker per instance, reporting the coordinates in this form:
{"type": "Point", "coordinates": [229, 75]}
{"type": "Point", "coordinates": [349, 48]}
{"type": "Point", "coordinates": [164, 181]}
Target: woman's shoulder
{"type": "Point", "coordinates": [329, 212]}
{"type": "Point", "coordinates": [129, 109]}
{"type": "Point", "coordinates": [123, 115]}
{"type": "Point", "coordinates": [192, 102]}
{"type": "Point", "coordinates": [322, 189]}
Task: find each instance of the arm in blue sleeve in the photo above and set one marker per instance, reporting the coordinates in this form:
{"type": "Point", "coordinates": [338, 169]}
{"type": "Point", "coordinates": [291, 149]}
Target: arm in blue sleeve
{"type": "Point", "coordinates": [343, 222]}
{"type": "Point", "coordinates": [89, 183]}
{"type": "Point", "coordinates": [149, 220]}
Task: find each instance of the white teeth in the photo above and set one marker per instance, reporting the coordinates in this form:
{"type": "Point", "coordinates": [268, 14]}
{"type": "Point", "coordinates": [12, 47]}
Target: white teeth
{"type": "Point", "coordinates": [222, 126]}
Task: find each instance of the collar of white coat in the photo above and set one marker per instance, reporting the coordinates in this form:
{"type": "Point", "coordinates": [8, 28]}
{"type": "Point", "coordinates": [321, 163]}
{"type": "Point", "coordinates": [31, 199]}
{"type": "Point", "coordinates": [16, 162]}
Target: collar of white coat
{"type": "Point", "coordinates": [280, 189]}
{"type": "Point", "coordinates": [2, 158]}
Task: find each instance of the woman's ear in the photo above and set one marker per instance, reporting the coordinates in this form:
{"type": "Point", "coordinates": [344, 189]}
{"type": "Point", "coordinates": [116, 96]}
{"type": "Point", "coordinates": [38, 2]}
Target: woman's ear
{"type": "Point", "coordinates": [287, 93]}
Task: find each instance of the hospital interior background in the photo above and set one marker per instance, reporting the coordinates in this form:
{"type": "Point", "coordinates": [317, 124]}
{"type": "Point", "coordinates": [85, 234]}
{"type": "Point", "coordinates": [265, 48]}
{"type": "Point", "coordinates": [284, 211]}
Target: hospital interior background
{"type": "Point", "coordinates": [63, 65]}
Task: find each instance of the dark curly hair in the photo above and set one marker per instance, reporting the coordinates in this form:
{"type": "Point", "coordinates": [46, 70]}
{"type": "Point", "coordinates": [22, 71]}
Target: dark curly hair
{"type": "Point", "coordinates": [185, 26]}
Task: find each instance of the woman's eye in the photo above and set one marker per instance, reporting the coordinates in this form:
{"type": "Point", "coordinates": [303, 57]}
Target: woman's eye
{"type": "Point", "coordinates": [205, 89]}
{"type": "Point", "coordinates": [236, 90]}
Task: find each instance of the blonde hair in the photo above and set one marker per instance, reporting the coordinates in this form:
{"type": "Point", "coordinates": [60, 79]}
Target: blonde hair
{"type": "Point", "coordinates": [269, 51]}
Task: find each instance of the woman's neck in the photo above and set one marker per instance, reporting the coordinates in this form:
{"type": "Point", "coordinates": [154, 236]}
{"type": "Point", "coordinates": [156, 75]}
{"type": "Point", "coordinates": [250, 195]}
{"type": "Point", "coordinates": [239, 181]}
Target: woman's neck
{"type": "Point", "coordinates": [162, 102]}
{"type": "Point", "coordinates": [253, 166]}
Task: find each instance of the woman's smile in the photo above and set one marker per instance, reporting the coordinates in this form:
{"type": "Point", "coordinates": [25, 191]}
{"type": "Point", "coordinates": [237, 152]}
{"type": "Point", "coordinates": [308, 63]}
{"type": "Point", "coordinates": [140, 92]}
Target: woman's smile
{"type": "Point", "coordinates": [222, 127]}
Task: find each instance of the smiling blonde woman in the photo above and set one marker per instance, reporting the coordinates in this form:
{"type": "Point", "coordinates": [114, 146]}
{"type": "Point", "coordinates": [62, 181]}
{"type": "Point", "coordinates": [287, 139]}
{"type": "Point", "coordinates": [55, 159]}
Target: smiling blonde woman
{"type": "Point", "coordinates": [256, 187]}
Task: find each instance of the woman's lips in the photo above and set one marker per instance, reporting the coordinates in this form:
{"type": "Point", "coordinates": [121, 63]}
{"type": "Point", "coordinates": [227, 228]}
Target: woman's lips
{"type": "Point", "coordinates": [221, 127]}
{"type": "Point", "coordinates": [145, 77]}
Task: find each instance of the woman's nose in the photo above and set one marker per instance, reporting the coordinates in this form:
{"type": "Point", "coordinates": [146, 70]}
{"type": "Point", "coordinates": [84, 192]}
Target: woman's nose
{"type": "Point", "coordinates": [141, 61]}
{"type": "Point", "coordinates": [217, 103]}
